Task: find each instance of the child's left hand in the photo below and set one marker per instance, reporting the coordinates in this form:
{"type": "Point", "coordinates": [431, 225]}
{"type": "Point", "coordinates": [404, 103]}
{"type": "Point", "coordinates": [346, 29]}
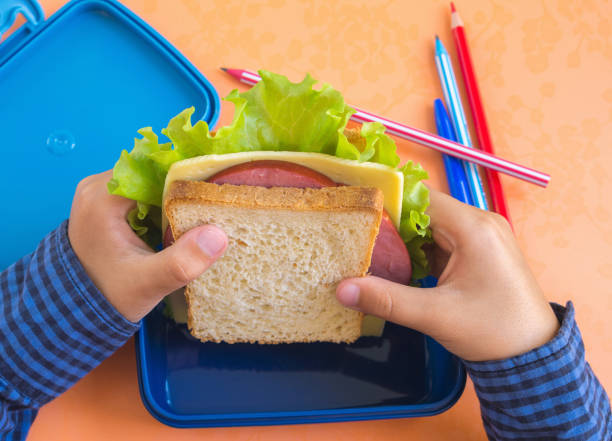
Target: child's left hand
{"type": "Point", "coordinates": [133, 277]}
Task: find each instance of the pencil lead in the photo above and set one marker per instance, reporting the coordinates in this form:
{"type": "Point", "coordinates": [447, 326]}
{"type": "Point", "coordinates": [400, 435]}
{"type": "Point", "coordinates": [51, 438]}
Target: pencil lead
{"type": "Point", "coordinates": [453, 7]}
{"type": "Point", "coordinates": [224, 69]}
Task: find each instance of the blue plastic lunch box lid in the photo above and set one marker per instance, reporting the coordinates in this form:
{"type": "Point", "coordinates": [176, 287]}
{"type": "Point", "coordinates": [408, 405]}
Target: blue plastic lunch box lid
{"type": "Point", "coordinates": [73, 91]}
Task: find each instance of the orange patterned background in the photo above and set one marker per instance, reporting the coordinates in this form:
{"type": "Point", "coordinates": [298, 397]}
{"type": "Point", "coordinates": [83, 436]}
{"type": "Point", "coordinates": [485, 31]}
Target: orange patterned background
{"type": "Point", "coordinates": [545, 70]}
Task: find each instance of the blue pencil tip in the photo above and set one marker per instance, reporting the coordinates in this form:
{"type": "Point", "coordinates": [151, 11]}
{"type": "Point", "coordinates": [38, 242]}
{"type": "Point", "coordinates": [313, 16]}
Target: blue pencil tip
{"type": "Point", "coordinates": [439, 107]}
{"type": "Point", "coordinates": [439, 46]}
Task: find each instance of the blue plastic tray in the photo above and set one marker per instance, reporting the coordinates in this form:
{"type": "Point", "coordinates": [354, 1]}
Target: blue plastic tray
{"type": "Point", "coordinates": [73, 91]}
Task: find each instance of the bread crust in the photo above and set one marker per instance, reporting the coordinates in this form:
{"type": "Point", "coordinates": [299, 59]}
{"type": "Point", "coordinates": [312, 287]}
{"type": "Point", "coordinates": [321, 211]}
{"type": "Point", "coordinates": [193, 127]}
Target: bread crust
{"type": "Point", "coordinates": [342, 198]}
{"type": "Point", "coordinates": [295, 199]}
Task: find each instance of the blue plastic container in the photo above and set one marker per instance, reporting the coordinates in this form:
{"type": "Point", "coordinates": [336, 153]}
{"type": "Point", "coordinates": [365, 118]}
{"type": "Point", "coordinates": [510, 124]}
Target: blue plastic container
{"type": "Point", "coordinates": [185, 383]}
{"type": "Point", "coordinates": [73, 91]}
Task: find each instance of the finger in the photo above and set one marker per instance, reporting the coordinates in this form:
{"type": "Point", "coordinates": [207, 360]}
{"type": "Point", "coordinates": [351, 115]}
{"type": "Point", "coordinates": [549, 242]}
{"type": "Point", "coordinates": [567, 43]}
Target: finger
{"type": "Point", "coordinates": [452, 222]}
{"type": "Point", "coordinates": [401, 304]}
{"type": "Point", "coordinates": [118, 205]}
{"type": "Point", "coordinates": [184, 261]}
{"type": "Point", "coordinates": [449, 219]}
{"type": "Point", "coordinates": [105, 175]}
{"type": "Point", "coordinates": [445, 209]}
{"type": "Point", "coordinates": [92, 194]}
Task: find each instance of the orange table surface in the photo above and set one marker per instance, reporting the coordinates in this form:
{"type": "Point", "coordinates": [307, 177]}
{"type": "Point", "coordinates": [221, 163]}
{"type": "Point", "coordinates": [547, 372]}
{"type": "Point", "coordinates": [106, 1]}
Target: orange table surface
{"type": "Point", "coordinates": [544, 69]}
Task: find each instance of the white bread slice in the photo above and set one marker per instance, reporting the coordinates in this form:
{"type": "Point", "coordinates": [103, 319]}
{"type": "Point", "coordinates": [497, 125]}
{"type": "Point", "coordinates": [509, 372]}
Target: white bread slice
{"type": "Point", "coordinates": [288, 249]}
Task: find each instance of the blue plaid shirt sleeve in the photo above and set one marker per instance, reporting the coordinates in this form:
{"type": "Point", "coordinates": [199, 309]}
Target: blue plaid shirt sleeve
{"type": "Point", "coordinates": [549, 393]}
{"type": "Point", "coordinates": [55, 327]}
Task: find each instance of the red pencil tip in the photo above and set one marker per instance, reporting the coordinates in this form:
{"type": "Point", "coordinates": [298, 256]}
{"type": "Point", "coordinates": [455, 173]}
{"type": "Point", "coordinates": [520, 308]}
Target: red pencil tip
{"type": "Point", "coordinates": [453, 7]}
{"type": "Point", "coordinates": [224, 69]}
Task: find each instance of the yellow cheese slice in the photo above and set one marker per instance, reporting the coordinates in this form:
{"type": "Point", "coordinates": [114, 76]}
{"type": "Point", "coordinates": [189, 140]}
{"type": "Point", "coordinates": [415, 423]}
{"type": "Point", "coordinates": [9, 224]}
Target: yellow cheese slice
{"type": "Point", "coordinates": [343, 171]}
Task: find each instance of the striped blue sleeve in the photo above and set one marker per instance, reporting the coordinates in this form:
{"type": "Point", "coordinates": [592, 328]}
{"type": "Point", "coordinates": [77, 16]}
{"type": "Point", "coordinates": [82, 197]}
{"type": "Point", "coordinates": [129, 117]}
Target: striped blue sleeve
{"type": "Point", "coordinates": [55, 327]}
{"type": "Point", "coordinates": [549, 393]}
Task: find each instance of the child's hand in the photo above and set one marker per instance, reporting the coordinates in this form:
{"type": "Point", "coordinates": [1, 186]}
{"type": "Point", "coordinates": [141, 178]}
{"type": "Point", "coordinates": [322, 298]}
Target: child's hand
{"type": "Point", "coordinates": [487, 304]}
{"type": "Point", "coordinates": [131, 276]}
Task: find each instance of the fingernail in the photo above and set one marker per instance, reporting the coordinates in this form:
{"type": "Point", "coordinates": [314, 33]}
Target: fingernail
{"type": "Point", "coordinates": [348, 294]}
{"type": "Point", "coordinates": [212, 240]}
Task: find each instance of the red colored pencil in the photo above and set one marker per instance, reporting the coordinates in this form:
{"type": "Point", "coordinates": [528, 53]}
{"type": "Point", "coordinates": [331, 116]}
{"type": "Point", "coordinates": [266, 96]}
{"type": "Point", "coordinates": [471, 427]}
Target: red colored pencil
{"type": "Point", "coordinates": [480, 121]}
{"type": "Point", "coordinates": [429, 140]}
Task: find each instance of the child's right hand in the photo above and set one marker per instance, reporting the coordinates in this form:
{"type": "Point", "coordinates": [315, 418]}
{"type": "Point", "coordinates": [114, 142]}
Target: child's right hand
{"type": "Point", "coordinates": [487, 304]}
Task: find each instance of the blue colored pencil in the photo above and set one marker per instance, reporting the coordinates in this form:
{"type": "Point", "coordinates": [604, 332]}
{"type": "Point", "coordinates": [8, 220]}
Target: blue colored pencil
{"type": "Point", "coordinates": [455, 173]}
{"type": "Point", "coordinates": [453, 101]}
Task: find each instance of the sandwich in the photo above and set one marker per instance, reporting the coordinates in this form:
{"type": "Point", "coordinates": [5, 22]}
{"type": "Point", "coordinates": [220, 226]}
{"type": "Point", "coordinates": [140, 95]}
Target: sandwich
{"type": "Point", "coordinates": [305, 201]}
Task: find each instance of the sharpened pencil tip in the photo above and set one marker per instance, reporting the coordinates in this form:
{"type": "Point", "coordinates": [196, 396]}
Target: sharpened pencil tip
{"type": "Point", "coordinates": [453, 7]}
{"type": "Point", "coordinates": [224, 69]}
{"type": "Point", "coordinates": [437, 38]}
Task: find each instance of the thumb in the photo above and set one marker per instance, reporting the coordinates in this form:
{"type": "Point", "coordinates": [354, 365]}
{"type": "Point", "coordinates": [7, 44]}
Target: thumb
{"type": "Point", "coordinates": [405, 305]}
{"type": "Point", "coordinates": [185, 260]}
